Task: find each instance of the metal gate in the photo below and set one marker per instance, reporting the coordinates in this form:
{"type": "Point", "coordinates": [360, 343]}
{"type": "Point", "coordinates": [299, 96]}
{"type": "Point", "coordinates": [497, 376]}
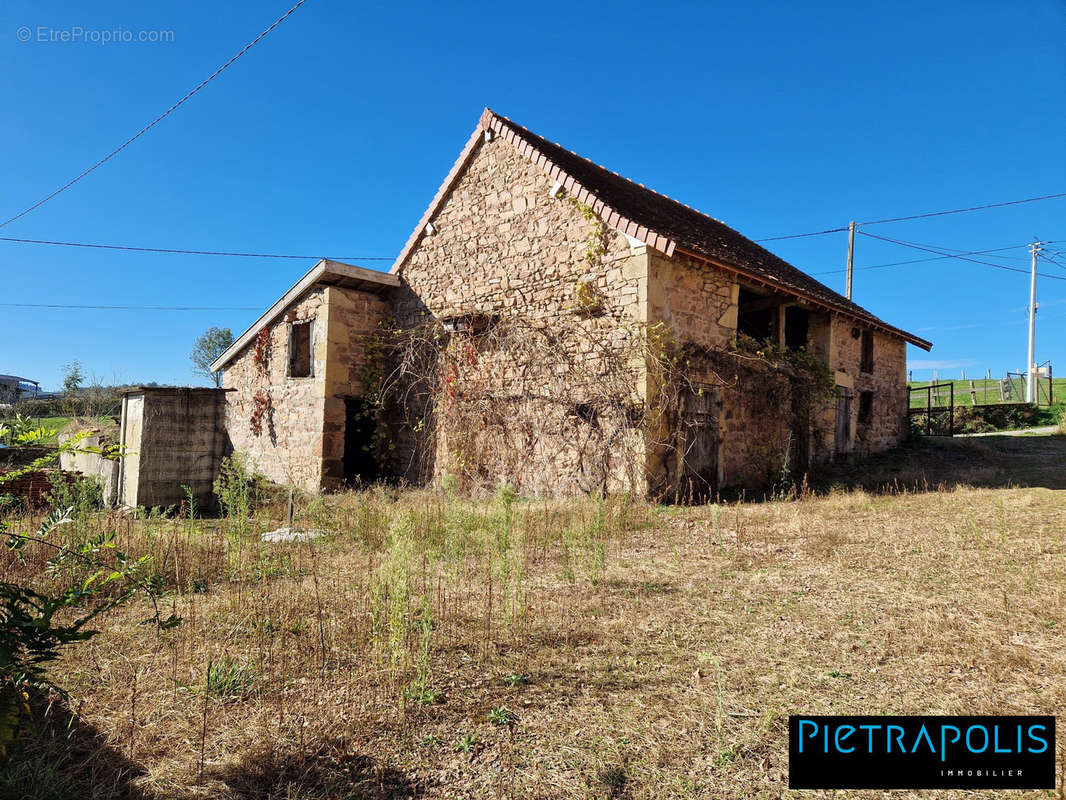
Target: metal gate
{"type": "Point", "coordinates": [1013, 387]}
{"type": "Point", "coordinates": [1045, 391]}
{"type": "Point", "coordinates": [931, 409]}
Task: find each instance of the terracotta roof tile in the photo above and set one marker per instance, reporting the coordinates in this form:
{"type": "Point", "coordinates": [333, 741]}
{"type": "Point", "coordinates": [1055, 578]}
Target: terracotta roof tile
{"type": "Point", "coordinates": [657, 220]}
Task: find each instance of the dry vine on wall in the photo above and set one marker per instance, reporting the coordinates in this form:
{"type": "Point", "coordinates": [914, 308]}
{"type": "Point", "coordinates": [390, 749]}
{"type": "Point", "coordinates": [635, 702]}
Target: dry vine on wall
{"type": "Point", "coordinates": [261, 410]}
{"type": "Point", "coordinates": [547, 406]}
{"type": "Point", "coordinates": [572, 402]}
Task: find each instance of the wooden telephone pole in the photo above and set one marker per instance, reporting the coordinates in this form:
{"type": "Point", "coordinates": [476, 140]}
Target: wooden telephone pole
{"type": "Point", "coordinates": [851, 257]}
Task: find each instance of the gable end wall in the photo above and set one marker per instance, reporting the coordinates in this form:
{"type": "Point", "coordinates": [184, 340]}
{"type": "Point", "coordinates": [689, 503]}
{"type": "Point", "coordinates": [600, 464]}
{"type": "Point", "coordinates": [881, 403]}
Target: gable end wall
{"type": "Point", "coordinates": [501, 245]}
{"type": "Point", "coordinates": [302, 438]}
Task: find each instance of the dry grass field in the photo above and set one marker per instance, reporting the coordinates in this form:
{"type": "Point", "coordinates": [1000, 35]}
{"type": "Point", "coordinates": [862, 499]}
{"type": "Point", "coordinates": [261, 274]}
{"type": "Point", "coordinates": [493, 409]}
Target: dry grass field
{"type": "Point", "coordinates": [434, 647]}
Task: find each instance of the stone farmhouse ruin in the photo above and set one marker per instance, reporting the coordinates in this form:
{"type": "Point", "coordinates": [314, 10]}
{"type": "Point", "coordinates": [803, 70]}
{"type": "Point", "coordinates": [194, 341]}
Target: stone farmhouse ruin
{"type": "Point", "coordinates": [556, 327]}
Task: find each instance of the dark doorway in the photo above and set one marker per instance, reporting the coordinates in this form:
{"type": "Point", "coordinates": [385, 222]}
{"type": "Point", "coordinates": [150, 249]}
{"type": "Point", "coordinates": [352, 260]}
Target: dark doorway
{"type": "Point", "coordinates": [699, 445]}
{"type": "Point", "coordinates": [757, 315]}
{"type": "Point", "coordinates": [797, 321]}
{"type": "Point", "coordinates": [866, 407]}
{"type": "Point", "coordinates": [360, 465]}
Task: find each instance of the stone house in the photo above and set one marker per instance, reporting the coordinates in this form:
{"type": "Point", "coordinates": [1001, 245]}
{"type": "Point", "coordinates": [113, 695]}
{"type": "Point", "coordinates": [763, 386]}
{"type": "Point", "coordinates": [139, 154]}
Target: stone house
{"type": "Point", "coordinates": [555, 326]}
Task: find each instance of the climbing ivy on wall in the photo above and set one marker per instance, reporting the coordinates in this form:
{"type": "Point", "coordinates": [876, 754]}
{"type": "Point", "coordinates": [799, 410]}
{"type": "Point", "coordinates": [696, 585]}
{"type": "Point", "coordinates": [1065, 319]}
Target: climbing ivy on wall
{"type": "Point", "coordinates": [261, 398]}
{"type": "Point", "coordinates": [261, 356]}
{"type": "Point", "coordinates": [596, 242]}
{"type": "Point", "coordinates": [260, 409]}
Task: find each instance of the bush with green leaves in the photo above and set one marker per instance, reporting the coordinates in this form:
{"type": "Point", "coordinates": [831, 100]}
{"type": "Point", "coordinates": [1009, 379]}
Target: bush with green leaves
{"type": "Point", "coordinates": [89, 577]}
{"type": "Point", "coordinates": [83, 494]}
{"type": "Point", "coordinates": [238, 489]}
{"type": "Point", "coordinates": [21, 431]}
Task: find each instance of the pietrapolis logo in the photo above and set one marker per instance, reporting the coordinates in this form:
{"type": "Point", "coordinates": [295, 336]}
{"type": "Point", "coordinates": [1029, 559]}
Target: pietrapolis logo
{"type": "Point", "coordinates": [943, 752]}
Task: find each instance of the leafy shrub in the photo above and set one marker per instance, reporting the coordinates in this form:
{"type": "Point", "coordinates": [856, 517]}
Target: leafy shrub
{"type": "Point", "coordinates": [21, 430]}
{"type": "Point", "coordinates": [80, 493]}
{"type": "Point", "coordinates": [1006, 417]}
{"type": "Point", "coordinates": [40, 408]}
{"type": "Point", "coordinates": [239, 490]}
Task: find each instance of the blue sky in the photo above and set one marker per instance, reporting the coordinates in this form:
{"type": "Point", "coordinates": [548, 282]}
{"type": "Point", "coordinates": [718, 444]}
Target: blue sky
{"type": "Point", "coordinates": [331, 136]}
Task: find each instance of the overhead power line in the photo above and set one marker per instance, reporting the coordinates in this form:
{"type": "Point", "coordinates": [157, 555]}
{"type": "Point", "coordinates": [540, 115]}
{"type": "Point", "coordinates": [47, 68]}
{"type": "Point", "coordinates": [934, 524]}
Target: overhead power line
{"type": "Point", "coordinates": [916, 246]}
{"type": "Point", "coordinates": [1053, 260]}
{"type": "Point", "coordinates": [926, 260]}
{"type": "Point", "coordinates": [802, 235]}
{"type": "Point", "coordinates": [156, 121]}
{"type": "Point", "coordinates": [964, 210]}
{"type": "Point", "coordinates": [187, 252]}
{"type": "Point", "coordinates": [917, 216]}
{"type": "Point", "coordinates": [132, 308]}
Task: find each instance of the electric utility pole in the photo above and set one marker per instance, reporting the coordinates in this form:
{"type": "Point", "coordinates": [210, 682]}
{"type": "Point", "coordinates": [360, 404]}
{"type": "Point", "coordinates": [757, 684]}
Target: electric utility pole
{"type": "Point", "coordinates": [1030, 383]}
{"type": "Point", "coordinates": [851, 257]}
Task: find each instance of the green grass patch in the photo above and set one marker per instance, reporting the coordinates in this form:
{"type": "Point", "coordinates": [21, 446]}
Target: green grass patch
{"type": "Point", "coordinates": [986, 392]}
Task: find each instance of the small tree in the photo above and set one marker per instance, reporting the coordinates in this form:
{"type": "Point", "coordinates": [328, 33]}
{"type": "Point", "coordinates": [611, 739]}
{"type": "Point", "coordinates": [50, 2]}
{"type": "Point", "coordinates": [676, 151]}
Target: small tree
{"type": "Point", "coordinates": [208, 347]}
{"type": "Point", "coordinates": [73, 378]}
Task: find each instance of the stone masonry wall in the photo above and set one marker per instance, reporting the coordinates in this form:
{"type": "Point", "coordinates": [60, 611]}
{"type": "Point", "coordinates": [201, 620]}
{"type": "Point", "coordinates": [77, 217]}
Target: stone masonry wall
{"type": "Point", "coordinates": [700, 304]}
{"type": "Point", "coordinates": [888, 383]}
{"type": "Point", "coordinates": [351, 317]}
{"type": "Point", "coordinates": [755, 429]}
{"type": "Point", "coordinates": [289, 449]}
{"type": "Point", "coordinates": [503, 246]}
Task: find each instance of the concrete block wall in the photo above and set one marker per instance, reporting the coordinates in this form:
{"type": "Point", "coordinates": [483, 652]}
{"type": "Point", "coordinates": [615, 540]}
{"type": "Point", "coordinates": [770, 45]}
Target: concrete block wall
{"type": "Point", "coordinates": [93, 465]}
{"type": "Point", "coordinates": [170, 438]}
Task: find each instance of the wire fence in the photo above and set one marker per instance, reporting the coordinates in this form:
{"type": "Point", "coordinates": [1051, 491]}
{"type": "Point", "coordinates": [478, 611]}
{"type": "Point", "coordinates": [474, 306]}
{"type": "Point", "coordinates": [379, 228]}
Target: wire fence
{"type": "Point", "coordinates": [1011, 388]}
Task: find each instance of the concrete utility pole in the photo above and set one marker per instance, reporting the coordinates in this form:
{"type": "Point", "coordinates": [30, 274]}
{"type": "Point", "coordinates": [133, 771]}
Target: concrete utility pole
{"type": "Point", "coordinates": [1030, 372]}
{"type": "Point", "coordinates": [851, 257]}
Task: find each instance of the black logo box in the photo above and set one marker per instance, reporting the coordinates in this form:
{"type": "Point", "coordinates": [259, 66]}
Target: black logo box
{"type": "Point", "coordinates": [893, 752]}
